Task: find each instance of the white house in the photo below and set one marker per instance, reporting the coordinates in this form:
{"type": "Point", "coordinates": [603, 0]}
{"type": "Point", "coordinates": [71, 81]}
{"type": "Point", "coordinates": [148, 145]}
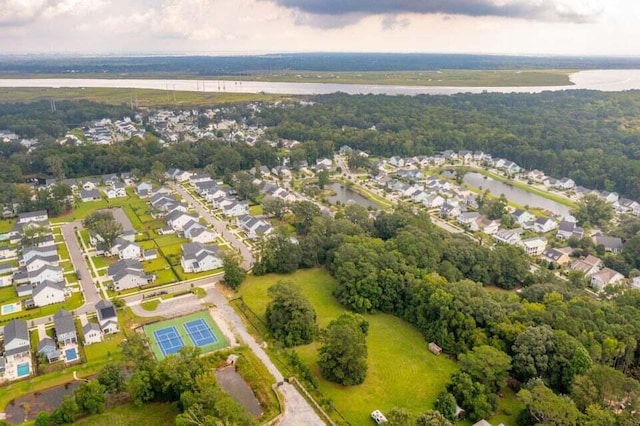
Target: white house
{"type": "Point", "coordinates": [178, 219]}
{"type": "Point", "coordinates": [433, 201]}
{"type": "Point", "coordinates": [197, 257]}
{"type": "Point", "coordinates": [567, 230]}
{"type": "Point", "coordinates": [127, 274]}
{"type": "Point", "coordinates": [38, 262]}
{"type": "Point", "coordinates": [89, 195]}
{"type": "Point", "coordinates": [508, 236]}
{"type": "Point", "coordinates": [625, 205]}
{"type": "Point", "coordinates": [107, 317]}
{"type": "Point", "coordinates": [543, 225]}
{"type": "Point", "coordinates": [37, 216]}
{"type": "Point", "coordinates": [468, 218]}
{"type": "Point", "coordinates": [17, 347]}
{"type": "Point", "coordinates": [48, 293]}
{"type": "Point", "coordinates": [604, 278]}
{"type": "Point", "coordinates": [89, 184]}
{"type": "Point", "coordinates": [534, 246]}
{"type": "Point", "coordinates": [521, 217]}
{"type": "Point", "coordinates": [65, 328]}
{"type": "Point", "coordinates": [143, 189]}
{"type": "Point", "coordinates": [565, 184]}
{"type": "Point", "coordinates": [116, 191]}
{"type": "Point", "coordinates": [91, 333]}
{"type": "Point", "coordinates": [199, 234]}
{"type": "Point", "coordinates": [46, 273]}
{"type": "Point", "coordinates": [235, 209]}
{"type": "Point", "coordinates": [125, 249]}
{"type": "Point", "coordinates": [588, 266]}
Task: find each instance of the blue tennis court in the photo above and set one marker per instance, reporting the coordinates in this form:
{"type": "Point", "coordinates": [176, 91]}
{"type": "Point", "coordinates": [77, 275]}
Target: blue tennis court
{"type": "Point", "coordinates": [169, 340]}
{"type": "Point", "coordinates": [200, 332]}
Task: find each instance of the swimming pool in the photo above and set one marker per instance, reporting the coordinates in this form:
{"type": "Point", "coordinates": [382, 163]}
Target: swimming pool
{"type": "Point", "coordinates": [11, 308]}
{"type": "Point", "coordinates": [23, 369]}
{"type": "Point", "coordinates": [71, 354]}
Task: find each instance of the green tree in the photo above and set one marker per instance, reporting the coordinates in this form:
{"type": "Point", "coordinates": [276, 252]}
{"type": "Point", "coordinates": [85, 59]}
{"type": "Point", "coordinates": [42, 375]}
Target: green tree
{"type": "Point", "coordinates": [277, 253]}
{"type": "Point", "coordinates": [533, 350]}
{"type": "Point", "coordinates": [544, 407]}
{"type": "Point", "coordinates": [68, 410]}
{"type": "Point", "coordinates": [593, 210]}
{"type": "Point", "coordinates": [487, 365]}
{"type": "Point", "coordinates": [290, 316]}
{"type": "Point", "coordinates": [140, 387]}
{"type": "Point", "coordinates": [305, 212]}
{"type": "Point", "coordinates": [274, 207]}
{"type": "Point", "coordinates": [399, 417]}
{"type": "Point", "coordinates": [343, 351]}
{"type": "Point", "coordinates": [432, 418]}
{"type": "Point", "coordinates": [157, 173]}
{"type": "Point", "coordinates": [55, 166]}
{"type": "Point", "coordinates": [106, 226]}
{"type": "Point", "coordinates": [508, 266]}
{"type": "Point", "coordinates": [447, 406]}
{"type": "Point", "coordinates": [323, 178]}
{"type": "Point", "coordinates": [244, 186]}
{"type": "Point", "coordinates": [234, 273]}
{"type": "Point", "coordinates": [112, 378]}
{"type": "Point", "coordinates": [471, 396]}
{"type": "Point", "coordinates": [90, 397]}
{"type": "Point", "coordinates": [44, 419]}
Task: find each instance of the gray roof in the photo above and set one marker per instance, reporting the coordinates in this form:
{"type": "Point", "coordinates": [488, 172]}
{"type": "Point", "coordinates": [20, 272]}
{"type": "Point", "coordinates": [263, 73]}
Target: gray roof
{"type": "Point", "coordinates": [47, 284]}
{"type": "Point", "coordinates": [123, 265]}
{"type": "Point", "coordinates": [198, 251]}
{"type": "Point", "coordinates": [16, 329]}
{"type": "Point", "coordinates": [105, 309]}
{"type": "Point", "coordinates": [63, 322]}
{"type": "Point", "coordinates": [46, 343]}
{"type": "Point", "coordinates": [91, 193]}
{"type": "Point", "coordinates": [609, 242]}
{"type": "Point", "coordinates": [27, 215]}
{"type": "Point", "coordinates": [90, 326]}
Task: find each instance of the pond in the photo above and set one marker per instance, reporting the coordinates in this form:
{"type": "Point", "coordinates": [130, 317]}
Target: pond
{"type": "Point", "coordinates": [28, 407]}
{"type": "Point", "coordinates": [516, 195]}
{"type": "Point", "coordinates": [346, 196]}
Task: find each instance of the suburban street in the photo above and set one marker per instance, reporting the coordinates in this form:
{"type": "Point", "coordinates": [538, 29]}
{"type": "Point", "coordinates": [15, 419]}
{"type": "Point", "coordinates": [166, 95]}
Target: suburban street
{"type": "Point", "coordinates": [91, 294]}
{"type": "Point", "coordinates": [219, 226]}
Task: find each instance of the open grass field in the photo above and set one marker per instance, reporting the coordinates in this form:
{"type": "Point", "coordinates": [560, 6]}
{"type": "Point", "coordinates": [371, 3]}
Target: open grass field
{"type": "Point", "coordinates": [402, 371]}
{"type": "Point", "coordinates": [160, 414]}
{"type": "Point", "coordinates": [141, 97]}
{"type": "Point", "coordinates": [6, 225]}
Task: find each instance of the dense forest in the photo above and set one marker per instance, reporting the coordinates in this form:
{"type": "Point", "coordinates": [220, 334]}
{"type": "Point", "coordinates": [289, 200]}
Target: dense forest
{"type": "Point", "coordinates": [591, 137]}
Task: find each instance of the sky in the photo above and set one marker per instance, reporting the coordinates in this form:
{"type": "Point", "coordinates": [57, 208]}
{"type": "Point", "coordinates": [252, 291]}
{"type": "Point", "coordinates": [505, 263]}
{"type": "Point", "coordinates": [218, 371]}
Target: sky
{"type": "Point", "coordinates": [221, 27]}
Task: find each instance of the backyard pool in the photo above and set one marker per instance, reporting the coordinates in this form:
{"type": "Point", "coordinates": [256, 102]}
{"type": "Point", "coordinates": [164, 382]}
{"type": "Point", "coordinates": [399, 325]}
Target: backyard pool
{"type": "Point", "coordinates": [23, 369]}
{"type": "Point", "coordinates": [71, 354]}
{"type": "Point", "coordinates": [11, 308]}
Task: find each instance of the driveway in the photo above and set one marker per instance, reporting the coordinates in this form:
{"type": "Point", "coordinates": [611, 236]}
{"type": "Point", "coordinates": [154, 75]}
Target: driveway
{"type": "Point", "coordinates": [219, 225]}
{"type": "Point", "coordinates": [121, 217]}
{"type": "Point", "coordinates": [91, 295]}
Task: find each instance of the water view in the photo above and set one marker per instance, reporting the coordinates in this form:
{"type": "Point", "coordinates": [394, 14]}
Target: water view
{"type": "Point", "coordinates": [347, 195]}
{"type": "Point", "coordinates": [514, 194]}
{"type": "Point", "coordinates": [605, 80]}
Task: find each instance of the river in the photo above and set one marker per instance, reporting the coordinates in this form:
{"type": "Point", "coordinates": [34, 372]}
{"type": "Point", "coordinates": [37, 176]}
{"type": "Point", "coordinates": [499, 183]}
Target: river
{"type": "Point", "coordinates": [604, 80]}
{"type": "Point", "coordinates": [346, 195]}
{"type": "Point", "coordinates": [516, 195]}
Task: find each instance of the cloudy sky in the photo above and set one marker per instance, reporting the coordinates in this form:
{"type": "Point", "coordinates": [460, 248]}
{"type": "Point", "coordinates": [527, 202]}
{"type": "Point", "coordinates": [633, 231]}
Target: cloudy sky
{"type": "Point", "coordinates": [578, 27]}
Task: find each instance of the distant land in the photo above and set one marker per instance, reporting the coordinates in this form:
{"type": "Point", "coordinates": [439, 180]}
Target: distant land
{"type": "Point", "coordinates": [209, 66]}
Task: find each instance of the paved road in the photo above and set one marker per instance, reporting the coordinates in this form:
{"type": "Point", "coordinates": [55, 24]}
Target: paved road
{"type": "Point", "coordinates": [220, 227]}
{"type": "Point", "coordinates": [297, 409]}
{"type": "Point", "coordinates": [91, 295]}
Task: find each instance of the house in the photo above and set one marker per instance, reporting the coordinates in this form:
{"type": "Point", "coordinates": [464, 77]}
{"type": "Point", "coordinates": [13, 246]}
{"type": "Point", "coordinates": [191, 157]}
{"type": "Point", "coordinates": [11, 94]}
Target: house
{"type": "Point", "coordinates": [65, 328]}
{"type": "Point", "coordinates": [127, 274]}
{"type": "Point", "coordinates": [433, 201]}
{"type": "Point", "coordinates": [536, 176]}
{"type": "Point", "coordinates": [48, 293]}
{"type": "Point", "coordinates": [46, 273]}
{"type": "Point", "coordinates": [611, 244]}
{"type": "Point", "coordinates": [89, 184]}
{"type": "Point", "coordinates": [235, 209]}
{"type": "Point", "coordinates": [609, 197]}
{"type": "Point", "coordinates": [91, 333]}
{"type": "Point", "coordinates": [565, 184]}
{"type": "Point", "coordinates": [534, 246]}
{"type": "Point", "coordinates": [625, 205]}
{"type": "Point", "coordinates": [199, 178]}
{"type": "Point", "coordinates": [110, 179]}
{"type": "Point", "coordinates": [178, 219]}
{"type": "Point", "coordinates": [635, 283]}
{"type": "Point", "coordinates": [197, 257]}
{"type": "Point", "coordinates": [558, 256]}
{"type": "Point", "coordinates": [450, 210]}
{"type": "Point", "coordinates": [47, 348]}
{"type": "Point", "coordinates": [37, 216]}
{"type": "Point", "coordinates": [543, 225]}
{"type": "Point", "coordinates": [73, 184]}
{"type": "Point", "coordinates": [128, 178]}
{"type": "Point", "coordinates": [485, 225]}
{"type": "Point", "coordinates": [604, 278]}
{"type": "Point", "coordinates": [465, 156]}
{"type": "Point", "coordinates": [396, 161]}
{"type": "Point", "coordinates": [177, 175]}
{"type": "Point", "coordinates": [508, 236]}
{"type": "Point", "coordinates": [116, 191]}
{"type": "Point", "coordinates": [126, 249]}
{"type": "Point", "coordinates": [253, 227]}
{"type": "Point", "coordinates": [17, 347]}
{"type": "Point", "coordinates": [567, 230]}
{"type": "Point", "coordinates": [588, 266]}
{"type": "Point", "coordinates": [42, 252]}
{"type": "Point", "coordinates": [478, 156]}
{"type": "Point", "coordinates": [324, 164]}
{"type": "Point", "coordinates": [150, 254]}
{"type": "Point", "coordinates": [468, 218]}
{"type": "Point", "coordinates": [107, 317]}
{"type": "Point", "coordinates": [521, 217]}
{"type": "Point", "coordinates": [199, 234]}
{"type": "Point", "coordinates": [143, 189]}
{"type": "Point", "coordinates": [89, 195]}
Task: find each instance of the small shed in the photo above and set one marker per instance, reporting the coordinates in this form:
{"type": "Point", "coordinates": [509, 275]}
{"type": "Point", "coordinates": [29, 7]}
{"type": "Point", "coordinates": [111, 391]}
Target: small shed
{"type": "Point", "coordinates": [437, 350]}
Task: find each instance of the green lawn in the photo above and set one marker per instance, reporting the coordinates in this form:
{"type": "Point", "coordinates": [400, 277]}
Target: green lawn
{"type": "Point", "coordinates": [163, 414]}
{"type": "Point", "coordinates": [73, 302]}
{"type": "Point", "coordinates": [103, 262]}
{"type": "Point", "coordinates": [402, 371]}
{"type": "Point", "coordinates": [155, 264]}
{"type": "Point", "coordinates": [165, 276]}
{"type": "Point", "coordinates": [171, 239]}
{"type": "Point", "coordinates": [151, 305]}
{"type": "Point", "coordinates": [255, 210]}
{"type": "Point", "coordinates": [6, 225]}
{"type": "Point", "coordinates": [8, 294]}
{"type": "Point", "coordinates": [63, 252]}
{"type": "Point", "coordinates": [185, 276]}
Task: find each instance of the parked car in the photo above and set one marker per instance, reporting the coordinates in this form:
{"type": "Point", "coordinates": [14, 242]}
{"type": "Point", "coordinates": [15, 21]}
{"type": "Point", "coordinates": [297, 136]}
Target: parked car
{"type": "Point", "coordinates": [378, 417]}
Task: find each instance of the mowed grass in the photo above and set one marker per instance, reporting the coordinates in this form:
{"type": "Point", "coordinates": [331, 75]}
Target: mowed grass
{"type": "Point", "coordinates": [402, 371]}
{"type": "Point", "coordinates": [156, 413]}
